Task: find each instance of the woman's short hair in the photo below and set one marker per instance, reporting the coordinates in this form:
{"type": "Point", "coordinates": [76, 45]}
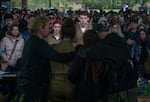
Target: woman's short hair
{"type": "Point", "coordinates": [37, 23]}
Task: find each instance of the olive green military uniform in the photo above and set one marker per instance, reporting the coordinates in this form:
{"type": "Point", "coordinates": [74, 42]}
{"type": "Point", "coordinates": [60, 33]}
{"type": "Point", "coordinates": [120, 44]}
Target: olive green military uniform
{"type": "Point", "coordinates": [61, 90]}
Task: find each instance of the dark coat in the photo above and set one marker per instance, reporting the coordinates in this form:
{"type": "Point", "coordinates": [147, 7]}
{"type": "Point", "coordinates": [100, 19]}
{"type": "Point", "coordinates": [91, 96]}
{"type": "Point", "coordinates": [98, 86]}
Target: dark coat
{"type": "Point", "coordinates": [121, 76]}
{"type": "Point", "coordinates": [85, 91]}
{"type": "Point", "coordinates": [35, 68]}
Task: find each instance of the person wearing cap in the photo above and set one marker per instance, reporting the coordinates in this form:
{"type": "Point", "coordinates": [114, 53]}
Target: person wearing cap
{"type": "Point", "coordinates": [55, 37]}
{"type": "Point", "coordinates": [61, 90]}
{"type": "Point", "coordinates": [102, 20]}
{"type": "Point", "coordinates": [121, 77]}
{"type": "Point", "coordinates": [101, 30]}
{"type": "Point", "coordinates": [82, 26]}
{"type": "Point", "coordinates": [119, 83]}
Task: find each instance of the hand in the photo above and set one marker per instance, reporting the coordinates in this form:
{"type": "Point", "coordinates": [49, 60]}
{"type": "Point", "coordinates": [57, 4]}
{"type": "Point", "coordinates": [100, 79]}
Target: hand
{"type": "Point", "coordinates": [78, 47]}
{"type": "Point", "coordinates": [131, 63]}
{"type": "Point", "coordinates": [130, 41]}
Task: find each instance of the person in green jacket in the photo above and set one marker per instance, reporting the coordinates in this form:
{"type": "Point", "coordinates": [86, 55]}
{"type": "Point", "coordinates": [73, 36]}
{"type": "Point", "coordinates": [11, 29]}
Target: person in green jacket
{"type": "Point", "coordinates": [34, 74]}
{"type": "Point", "coordinates": [61, 90]}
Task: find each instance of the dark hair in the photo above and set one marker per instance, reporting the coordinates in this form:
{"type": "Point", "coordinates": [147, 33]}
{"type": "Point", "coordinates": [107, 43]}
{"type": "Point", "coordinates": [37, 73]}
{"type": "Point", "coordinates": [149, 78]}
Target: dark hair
{"type": "Point", "coordinates": [134, 21]}
{"type": "Point", "coordinates": [138, 35]}
{"type": "Point", "coordinates": [68, 29]}
{"type": "Point", "coordinates": [90, 38]}
{"type": "Point", "coordinates": [95, 70]}
{"type": "Point", "coordinates": [100, 28]}
{"type": "Point", "coordinates": [11, 28]}
{"type": "Point", "coordinates": [14, 25]}
{"type": "Point", "coordinates": [8, 16]}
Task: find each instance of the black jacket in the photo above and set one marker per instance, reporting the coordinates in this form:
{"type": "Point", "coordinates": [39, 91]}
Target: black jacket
{"type": "Point", "coordinates": [121, 76]}
{"type": "Point", "coordinates": [35, 68]}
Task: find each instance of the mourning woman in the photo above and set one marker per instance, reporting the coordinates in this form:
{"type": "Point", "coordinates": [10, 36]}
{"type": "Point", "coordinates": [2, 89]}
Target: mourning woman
{"type": "Point", "coordinates": [34, 75]}
{"type": "Point", "coordinates": [83, 71]}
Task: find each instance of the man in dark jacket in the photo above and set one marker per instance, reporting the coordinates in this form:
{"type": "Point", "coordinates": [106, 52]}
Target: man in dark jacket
{"type": "Point", "coordinates": [121, 80]}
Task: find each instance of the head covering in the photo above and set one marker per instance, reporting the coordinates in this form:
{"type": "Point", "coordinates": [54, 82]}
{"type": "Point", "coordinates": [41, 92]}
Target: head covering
{"type": "Point", "coordinates": [58, 22]}
{"type": "Point", "coordinates": [100, 28]}
{"type": "Point", "coordinates": [84, 13]}
{"type": "Point", "coordinates": [101, 19]}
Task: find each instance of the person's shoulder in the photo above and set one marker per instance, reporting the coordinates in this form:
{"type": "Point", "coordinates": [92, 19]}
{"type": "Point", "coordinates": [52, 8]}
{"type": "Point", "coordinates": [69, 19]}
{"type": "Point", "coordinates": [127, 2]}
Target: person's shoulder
{"type": "Point", "coordinates": [6, 37]}
{"type": "Point", "coordinates": [35, 40]}
{"type": "Point", "coordinates": [90, 26]}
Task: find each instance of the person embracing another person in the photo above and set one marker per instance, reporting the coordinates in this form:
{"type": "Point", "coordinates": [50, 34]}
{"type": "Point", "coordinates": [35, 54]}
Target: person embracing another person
{"type": "Point", "coordinates": [34, 75]}
{"type": "Point", "coordinates": [104, 72]}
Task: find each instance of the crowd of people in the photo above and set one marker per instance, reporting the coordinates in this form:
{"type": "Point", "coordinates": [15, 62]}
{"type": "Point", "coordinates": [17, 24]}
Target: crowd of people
{"type": "Point", "coordinates": [80, 56]}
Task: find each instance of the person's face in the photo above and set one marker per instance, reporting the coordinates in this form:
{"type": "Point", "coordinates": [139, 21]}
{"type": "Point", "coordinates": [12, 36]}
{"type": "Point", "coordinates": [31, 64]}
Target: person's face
{"type": "Point", "coordinates": [30, 19]}
{"type": "Point", "coordinates": [15, 19]}
{"type": "Point", "coordinates": [15, 31]}
{"type": "Point", "coordinates": [52, 19]}
{"type": "Point", "coordinates": [9, 22]}
{"type": "Point", "coordinates": [83, 20]}
{"type": "Point", "coordinates": [114, 29]}
{"type": "Point", "coordinates": [142, 35]}
{"type": "Point", "coordinates": [115, 17]}
{"type": "Point", "coordinates": [57, 28]}
{"type": "Point", "coordinates": [133, 25]}
{"type": "Point", "coordinates": [45, 30]}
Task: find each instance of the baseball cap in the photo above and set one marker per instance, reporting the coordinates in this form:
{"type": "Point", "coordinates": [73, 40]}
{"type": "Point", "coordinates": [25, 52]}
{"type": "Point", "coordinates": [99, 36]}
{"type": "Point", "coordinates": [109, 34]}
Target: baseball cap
{"type": "Point", "coordinates": [100, 28]}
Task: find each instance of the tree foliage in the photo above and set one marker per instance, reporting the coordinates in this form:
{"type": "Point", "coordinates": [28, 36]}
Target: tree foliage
{"type": "Point", "coordinates": [34, 4]}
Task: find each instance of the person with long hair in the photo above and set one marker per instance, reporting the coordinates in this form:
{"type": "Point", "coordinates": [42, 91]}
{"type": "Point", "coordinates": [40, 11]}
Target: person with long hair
{"type": "Point", "coordinates": [84, 73]}
{"type": "Point", "coordinates": [139, 52]}
{"type": "Point", "coordinates": [104, 72]}
{"type": "Point", "coordinates": [115, 27]}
